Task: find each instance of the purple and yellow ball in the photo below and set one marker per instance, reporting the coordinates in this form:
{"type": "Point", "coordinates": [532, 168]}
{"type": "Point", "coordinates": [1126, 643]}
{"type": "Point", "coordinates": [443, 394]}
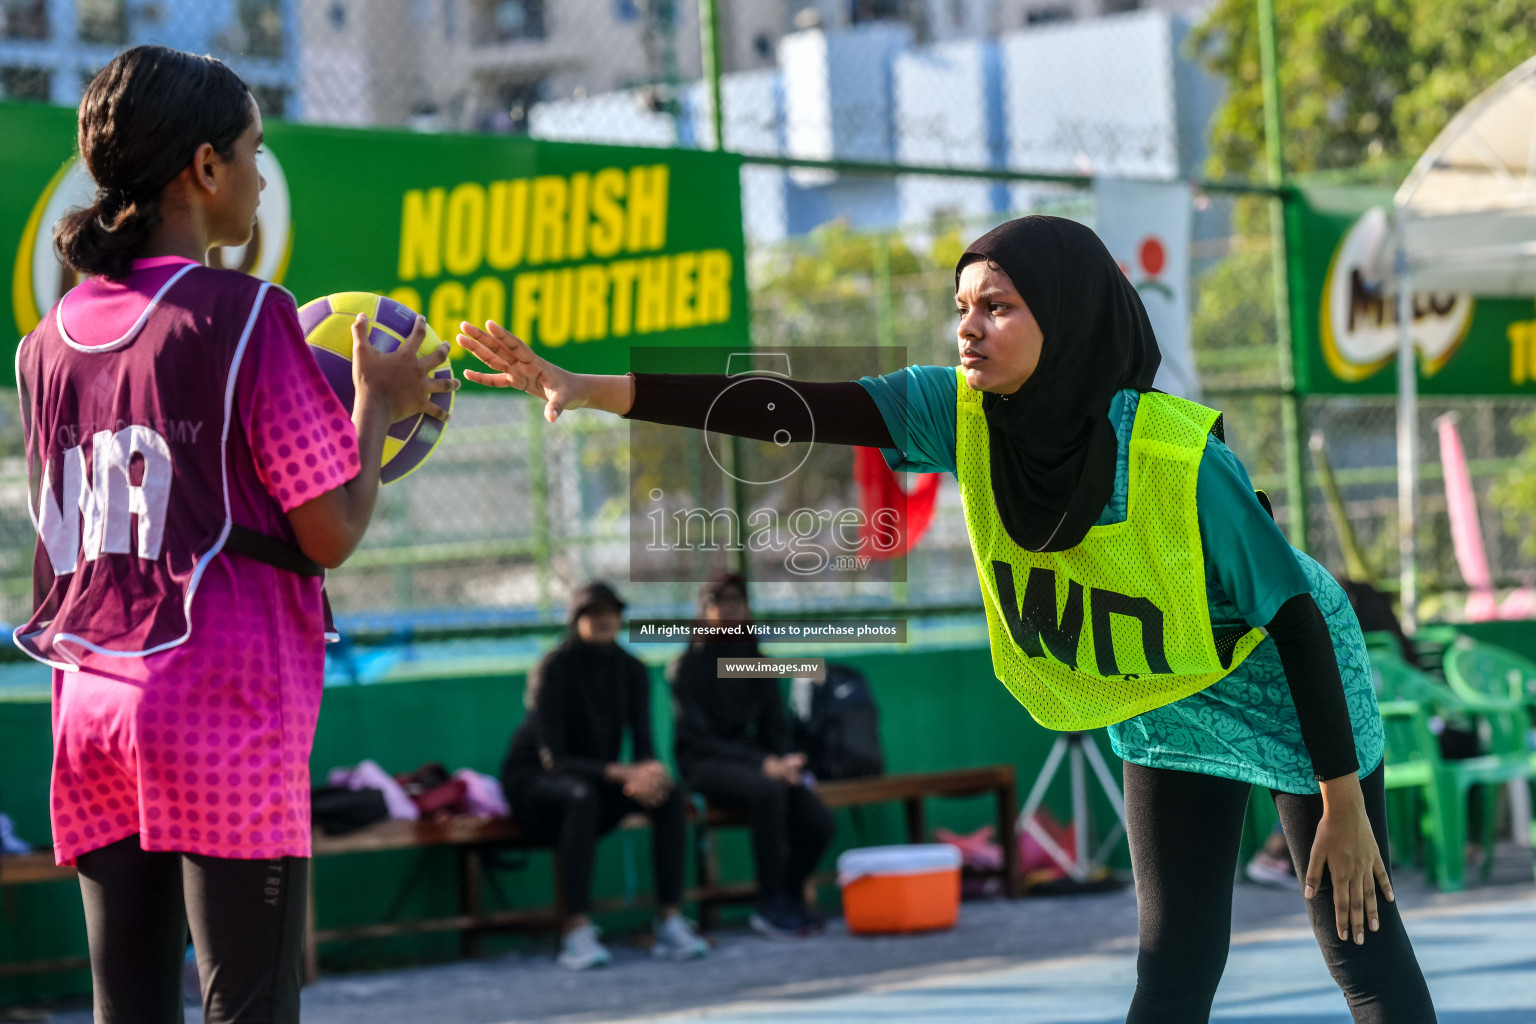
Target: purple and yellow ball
{"type": "Point", "coordinates": [327, 324]}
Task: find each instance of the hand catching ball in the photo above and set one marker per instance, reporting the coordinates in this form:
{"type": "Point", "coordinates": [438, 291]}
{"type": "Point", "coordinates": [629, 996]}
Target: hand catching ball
{"type": "Point", "coordinates": [327, 324]}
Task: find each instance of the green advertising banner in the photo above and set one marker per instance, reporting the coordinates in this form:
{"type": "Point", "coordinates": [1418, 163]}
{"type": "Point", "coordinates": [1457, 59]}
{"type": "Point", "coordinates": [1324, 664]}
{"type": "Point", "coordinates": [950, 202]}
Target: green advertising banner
{"type": "Point", "coordinates": [581, 250]}
{"type": "Point", "coordinates": [1344, 310]}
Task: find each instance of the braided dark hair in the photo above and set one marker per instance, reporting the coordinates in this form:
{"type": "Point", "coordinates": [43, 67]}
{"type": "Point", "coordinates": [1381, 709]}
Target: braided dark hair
{"type": "Point", "coordinates": [141, 120]}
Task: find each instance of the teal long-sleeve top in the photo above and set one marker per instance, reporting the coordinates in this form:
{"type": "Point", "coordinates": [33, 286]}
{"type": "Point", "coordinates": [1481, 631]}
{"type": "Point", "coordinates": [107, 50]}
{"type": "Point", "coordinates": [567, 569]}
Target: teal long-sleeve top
{"type": "Point", "coordinates": [1245, 726]}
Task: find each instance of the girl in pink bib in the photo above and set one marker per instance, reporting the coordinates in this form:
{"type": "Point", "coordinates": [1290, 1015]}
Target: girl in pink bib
{"type": "Point", "coordinates": [192, 476]}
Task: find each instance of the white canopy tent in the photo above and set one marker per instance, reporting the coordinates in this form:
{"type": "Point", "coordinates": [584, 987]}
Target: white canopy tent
{"type": "Point", "coordinates": [1464, 221]}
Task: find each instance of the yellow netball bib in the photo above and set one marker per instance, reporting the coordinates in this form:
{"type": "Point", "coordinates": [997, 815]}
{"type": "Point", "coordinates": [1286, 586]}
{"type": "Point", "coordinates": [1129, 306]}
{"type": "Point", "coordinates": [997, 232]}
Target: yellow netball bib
{"type": "Point", "coordinates": [1119, 624]}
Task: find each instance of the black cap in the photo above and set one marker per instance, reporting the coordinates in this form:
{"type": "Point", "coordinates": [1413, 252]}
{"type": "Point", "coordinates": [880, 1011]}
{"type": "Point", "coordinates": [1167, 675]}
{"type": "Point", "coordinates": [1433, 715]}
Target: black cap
{"type": "Point", "coordinates": [591, 595]}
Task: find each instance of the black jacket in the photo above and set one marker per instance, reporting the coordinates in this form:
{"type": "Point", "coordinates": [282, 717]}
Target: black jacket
{"type": "Point", "coordinates": [581, 698]}
{"type": "Point", "coordinates": [738, 720]}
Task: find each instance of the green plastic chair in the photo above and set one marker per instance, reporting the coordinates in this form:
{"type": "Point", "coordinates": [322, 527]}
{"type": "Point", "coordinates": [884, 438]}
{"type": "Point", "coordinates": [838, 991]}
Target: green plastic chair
{"type": "Point", "coordinates": [1395, 679]}
{"type": "Point", "coordinates": [1380, 639]}
{"type": "Point", "coordinates": [1482, 673]}
{"type": "Point", "coordinates": [1412, 749]}
{"type": "Point", "coordinates": [1414, 806]}
{"type": "Point", "coordinates": [1408, 770]}
{"type": "Point", "coordinates": [1500, 686]}
{"type": "Point", "coordinates": [1430, 643]}
{"type": "Point", "coordinates": [1411, 702]}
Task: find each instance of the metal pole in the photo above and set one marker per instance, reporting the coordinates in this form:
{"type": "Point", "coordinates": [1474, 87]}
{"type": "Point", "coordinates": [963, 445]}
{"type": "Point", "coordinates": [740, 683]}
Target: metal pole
{"type": "Point", "coordinates": [709, 44]}
{"type": "Point", "coordinates": [886, 168]}
{"type": "Point", "coordinates": [1292, 422]}
{"type": "Point", "coordinates": [1407, 437]}
{"type": "Point", "coordinates": [1079, 810]}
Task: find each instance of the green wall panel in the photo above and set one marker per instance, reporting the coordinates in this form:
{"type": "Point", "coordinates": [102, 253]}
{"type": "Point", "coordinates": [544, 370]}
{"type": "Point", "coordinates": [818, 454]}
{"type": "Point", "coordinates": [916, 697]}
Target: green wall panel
{"type": "Point", "coordinates": [939, 709]}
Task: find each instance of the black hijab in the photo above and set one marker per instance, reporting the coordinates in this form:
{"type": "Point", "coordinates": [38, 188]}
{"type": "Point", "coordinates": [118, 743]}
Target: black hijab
{"type": "Point", "coordinates": [1052, 446]}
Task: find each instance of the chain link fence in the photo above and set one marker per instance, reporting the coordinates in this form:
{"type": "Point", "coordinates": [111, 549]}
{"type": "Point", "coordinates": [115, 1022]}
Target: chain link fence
{"type": "Point", "coordinates": [829, 101]}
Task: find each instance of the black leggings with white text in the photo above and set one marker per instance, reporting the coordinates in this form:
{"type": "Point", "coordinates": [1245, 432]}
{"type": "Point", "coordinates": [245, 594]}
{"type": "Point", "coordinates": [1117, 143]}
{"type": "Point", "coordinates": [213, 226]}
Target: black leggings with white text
{"type": "Point", "coordinates": [247, 923]}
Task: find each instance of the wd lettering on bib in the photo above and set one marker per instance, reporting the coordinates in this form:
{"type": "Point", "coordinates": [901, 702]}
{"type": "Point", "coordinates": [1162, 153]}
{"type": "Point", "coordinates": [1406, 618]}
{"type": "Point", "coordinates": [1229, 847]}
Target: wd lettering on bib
{"type": "Point", "coordinates": [1119, 624]}
{"type": "Point", "coordinates": [1036, 629]}
{"type": "Point", "coordinates": [1035, 623]}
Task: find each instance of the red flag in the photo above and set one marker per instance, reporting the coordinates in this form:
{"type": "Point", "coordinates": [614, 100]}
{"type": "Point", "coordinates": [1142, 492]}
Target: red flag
{"type": "Point", "coordinates": [879, 489]}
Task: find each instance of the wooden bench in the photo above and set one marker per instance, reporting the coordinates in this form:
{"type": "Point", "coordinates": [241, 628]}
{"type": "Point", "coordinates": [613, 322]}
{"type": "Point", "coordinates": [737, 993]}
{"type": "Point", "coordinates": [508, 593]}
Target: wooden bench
{"type": "Point", "coordinates": [473, 838]}
{"type": "Point", "coordinates": [468, 837]}
{"type": "Point", "coordinates": [25, 869]}
{"type": "Point", "coordinates": [911, 789]}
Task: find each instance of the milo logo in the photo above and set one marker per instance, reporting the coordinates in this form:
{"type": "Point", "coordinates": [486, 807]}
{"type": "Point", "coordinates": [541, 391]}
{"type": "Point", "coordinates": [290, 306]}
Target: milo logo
{"type": "Point", "coordinates": [1359, 307]}
{"type": "Point", "coordinates": [40, 278]}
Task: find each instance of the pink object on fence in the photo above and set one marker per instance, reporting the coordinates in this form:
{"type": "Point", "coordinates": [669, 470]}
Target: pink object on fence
{"type": "Point", "coordinates": [1520, 604]}
{"type": "Point", "coordinates": [1466, 532]}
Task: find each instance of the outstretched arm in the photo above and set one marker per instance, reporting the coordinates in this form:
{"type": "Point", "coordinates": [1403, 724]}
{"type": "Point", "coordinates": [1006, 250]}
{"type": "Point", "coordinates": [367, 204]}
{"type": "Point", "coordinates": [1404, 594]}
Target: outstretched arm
{"type": "Point", "coordinates": [517, 367]}
{"type": "Point", "coordinates": [843, 411]}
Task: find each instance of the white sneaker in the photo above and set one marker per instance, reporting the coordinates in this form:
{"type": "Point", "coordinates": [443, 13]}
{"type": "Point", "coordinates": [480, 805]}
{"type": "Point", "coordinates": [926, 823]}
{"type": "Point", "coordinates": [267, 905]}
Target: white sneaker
{"type": "Point", "coordinates": [10, 842]}
{"type": "Point", "coordinates": [580, 950]}
{"type": "Point", "coordinates": [676, 940]}
{"type": "Point", "coordinates": [1271, 871]}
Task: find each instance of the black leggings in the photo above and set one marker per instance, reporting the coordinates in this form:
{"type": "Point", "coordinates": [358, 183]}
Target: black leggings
{"type": "Point", "coordinates": [791, 827]}
{"type": "Point", "coordinates": [247, 920]}
{"type": "Point", "coordinates": [572, 813]}
{"type": "Point", "coordinates": [1185, 830]}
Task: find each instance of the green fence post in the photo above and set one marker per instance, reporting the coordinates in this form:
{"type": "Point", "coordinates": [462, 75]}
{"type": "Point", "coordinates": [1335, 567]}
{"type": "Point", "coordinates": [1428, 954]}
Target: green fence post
{"type": "Point", "coordinates": [538, 481]}
{"type": "Point", "coordinates": [1292, 421]}
{"type": "Point", "coordinates": [885, 337]}
{"type": "Point", "coordinates": [709, 46]}
{"type": "Point", "coordinates": [885, 312]}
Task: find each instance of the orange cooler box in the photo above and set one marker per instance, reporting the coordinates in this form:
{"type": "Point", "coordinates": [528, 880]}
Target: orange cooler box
{"type": "Point", "coordinates": [900, 888]}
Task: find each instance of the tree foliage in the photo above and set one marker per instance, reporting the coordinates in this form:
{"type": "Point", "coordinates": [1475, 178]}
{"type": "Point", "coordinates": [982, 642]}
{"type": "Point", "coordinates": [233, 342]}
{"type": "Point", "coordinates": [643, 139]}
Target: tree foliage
{"type": "Point", "coordinates": [1365, 85]}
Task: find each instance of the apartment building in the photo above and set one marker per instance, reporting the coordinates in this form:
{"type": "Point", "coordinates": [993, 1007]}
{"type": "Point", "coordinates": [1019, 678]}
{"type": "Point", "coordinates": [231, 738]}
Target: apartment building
{"type": "Point", "coordinates": [50, 49]}
{"type": "Point", "coordinates": [480, 65]}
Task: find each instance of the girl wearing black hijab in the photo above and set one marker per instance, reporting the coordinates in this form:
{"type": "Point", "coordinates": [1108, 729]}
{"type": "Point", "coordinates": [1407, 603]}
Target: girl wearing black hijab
{"type": "Point", "coordinates": [1132, 579]}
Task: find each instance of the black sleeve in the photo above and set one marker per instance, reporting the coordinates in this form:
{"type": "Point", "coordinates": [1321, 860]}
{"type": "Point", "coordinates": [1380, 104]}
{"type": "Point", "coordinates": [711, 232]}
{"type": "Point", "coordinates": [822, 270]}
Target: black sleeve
{"type": "Point", "coordinates": [843, 411]}
{"type": "Point", "coordinates": [1306, 653]}
{"type": "Point", "coordinates": [554, 741]}
{"type": "Point", "coordinates": [695, 732]}
{"type": "Point", "coordinates": [642, 746]}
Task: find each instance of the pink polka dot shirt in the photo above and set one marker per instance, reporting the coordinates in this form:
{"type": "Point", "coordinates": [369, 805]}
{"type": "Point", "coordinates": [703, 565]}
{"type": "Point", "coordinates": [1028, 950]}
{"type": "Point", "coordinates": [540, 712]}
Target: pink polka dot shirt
{"type": "Point", "coordinates": [204, 748]}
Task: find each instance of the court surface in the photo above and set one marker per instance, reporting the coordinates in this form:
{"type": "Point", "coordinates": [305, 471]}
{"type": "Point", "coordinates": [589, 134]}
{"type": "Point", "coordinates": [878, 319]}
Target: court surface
{"type": "Point", "coordinates": [1041, 960]}
{"type": "Point", "coordinates": [1480, 962]}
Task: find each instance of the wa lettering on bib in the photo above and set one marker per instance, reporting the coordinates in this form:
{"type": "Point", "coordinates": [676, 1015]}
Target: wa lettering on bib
{"type": "Point", "coordinates": [98, 509]}
{"type": "Point", "coordinates": [1119, 624]}
{"type": "Point", "coordinates": [127, 463]}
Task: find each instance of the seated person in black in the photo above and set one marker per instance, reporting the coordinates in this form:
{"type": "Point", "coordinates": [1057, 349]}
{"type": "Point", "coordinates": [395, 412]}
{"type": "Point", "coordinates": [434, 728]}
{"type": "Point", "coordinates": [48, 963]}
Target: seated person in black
{"type": "Point", "coordinates": [731, 748]}
{"type": "Point", "coordinates": [567, 786]}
